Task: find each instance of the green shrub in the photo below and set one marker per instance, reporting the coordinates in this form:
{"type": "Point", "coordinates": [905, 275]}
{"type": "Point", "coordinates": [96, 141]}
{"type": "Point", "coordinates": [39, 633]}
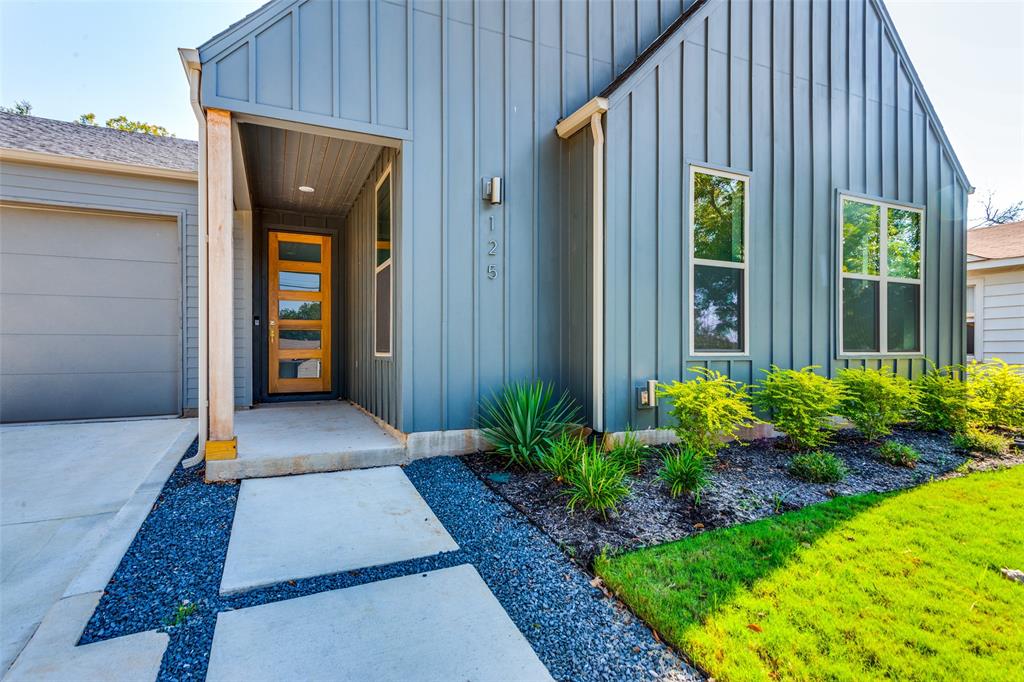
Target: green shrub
{"type": "Point", "coordinates": [974, 439]}
{"type": "Point", "coordinates": [817, 466]}
{"type": "Point", "coordinates": [522, 418]}
{"type": "Point", "coordinates": [998, 391]}
{"type": "Point", "coordinates": [685, 470]}
{"type": "Point", "coordinates": [630, 453]}
{"type": "Point", "coordinates": [562, 454]}
{"type": "Point", "coordinates": [596, 481]}
{"type": "Point", "coordinates": [900, 454]}
{"type": "Point", "coordinates": [875, 400]}
{"type": "Point", "coordinates": [943, 400]}
{"type": "Point", "coordinates": [801, 403]}
{"type": "Point", "coordinates": [708, 410]}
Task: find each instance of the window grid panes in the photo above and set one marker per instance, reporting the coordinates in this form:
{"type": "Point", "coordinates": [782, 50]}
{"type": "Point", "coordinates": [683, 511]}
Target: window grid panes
{"type": "Point", "coordinates": [719, 209]}
{"type": "Point", "coordinates": [881, 275]}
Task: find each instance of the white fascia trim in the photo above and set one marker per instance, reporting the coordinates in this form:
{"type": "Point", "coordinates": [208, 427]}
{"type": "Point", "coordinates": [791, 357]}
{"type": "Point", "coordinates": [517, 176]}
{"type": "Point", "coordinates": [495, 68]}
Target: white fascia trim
{"type": "Point", "coordinates": [575, 121]}
{"type": "Point", "coordinates": [79, 163]}
{"type": "Point", "coordinates": [993, 263]}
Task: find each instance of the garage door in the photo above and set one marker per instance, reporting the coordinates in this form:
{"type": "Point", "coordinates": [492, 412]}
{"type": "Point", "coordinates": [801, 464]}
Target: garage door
{"type": "Point", "coordinates": [90, 309]}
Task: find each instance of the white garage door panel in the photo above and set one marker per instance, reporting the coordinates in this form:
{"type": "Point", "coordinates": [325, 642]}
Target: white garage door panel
{"type": "Point", "coordinates": [90, 315]}
{"type": "Point", "coordinates": [88, 277]}
{"type": "Point", "coordinates": [87, 396]}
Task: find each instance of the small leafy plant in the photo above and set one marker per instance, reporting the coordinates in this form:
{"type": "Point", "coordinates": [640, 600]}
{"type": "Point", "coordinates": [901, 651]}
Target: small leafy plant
{"type": "Point", "coordinates": [708, 410]}
{"type": "Point", "coordinates": [523, 417]}
{"type": "Point", "coordinates": [630, 453]}
{"type": "Point", "coordinates": [596, 481]}
{"type": "Point", "coordinates": [875, 400]}
{"type": "Point", "coordinates": [900, 454]}
{"type": "Point", "coordinates": [817, 466]}
{"type": "Point", "coordinates": [998, 389]}
{"type": "Point", "coordinates": [801, 403]}
{"type": "Point", "coordinates": [562, 454]}
{"type": "Point", "coordinates": [180, 614]}
{"type": "Point", "coordinates": [943, 400]}
{"type": "Point", "coordinates": [685, 470]}
{"type": "Point", "coordinates": [973, 439]}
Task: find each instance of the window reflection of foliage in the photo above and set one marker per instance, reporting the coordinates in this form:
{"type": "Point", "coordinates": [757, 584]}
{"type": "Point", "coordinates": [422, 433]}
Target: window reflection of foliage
{"type": "Point", "coordinates": [306, 311]}
{"type": "Point", "coordinates": [717, 305]}
{"type": "Point", "coordinates": [718, 218]}
{"type": "Point", "coordinates": [904, 245]}
{"type": "Point", "coordinates": [861, 238]}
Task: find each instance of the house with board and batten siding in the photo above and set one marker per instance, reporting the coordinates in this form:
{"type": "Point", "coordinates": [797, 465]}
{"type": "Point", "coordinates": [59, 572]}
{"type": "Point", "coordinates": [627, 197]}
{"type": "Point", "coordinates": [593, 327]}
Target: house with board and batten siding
{"type": "Point", "coordinates": [407, 204]}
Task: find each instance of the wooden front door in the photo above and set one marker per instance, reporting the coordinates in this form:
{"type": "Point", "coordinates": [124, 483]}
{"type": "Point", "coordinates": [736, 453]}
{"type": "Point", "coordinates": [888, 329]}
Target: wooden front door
{"type": "Point", "coordinates": [299, 315]}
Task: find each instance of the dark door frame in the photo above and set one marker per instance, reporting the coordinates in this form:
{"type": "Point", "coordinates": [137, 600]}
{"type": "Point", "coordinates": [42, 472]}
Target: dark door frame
{"type": "Point", "coordinates": [263, 223]}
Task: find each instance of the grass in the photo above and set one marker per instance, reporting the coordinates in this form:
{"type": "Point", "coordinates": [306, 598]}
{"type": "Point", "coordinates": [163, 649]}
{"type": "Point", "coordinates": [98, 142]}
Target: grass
{"type": "Point", "coordinates": [902, 586]}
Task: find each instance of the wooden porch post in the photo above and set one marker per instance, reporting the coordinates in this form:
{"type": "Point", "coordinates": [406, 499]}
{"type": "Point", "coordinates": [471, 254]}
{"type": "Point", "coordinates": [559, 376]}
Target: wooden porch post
{"type": "Point", "coordinates": [220, 284]}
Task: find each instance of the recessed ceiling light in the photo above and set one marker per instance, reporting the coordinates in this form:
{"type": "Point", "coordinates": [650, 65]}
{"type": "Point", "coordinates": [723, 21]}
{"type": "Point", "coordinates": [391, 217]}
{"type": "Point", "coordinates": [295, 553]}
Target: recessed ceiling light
{"type": "Point", "coordinates": [305, 188]}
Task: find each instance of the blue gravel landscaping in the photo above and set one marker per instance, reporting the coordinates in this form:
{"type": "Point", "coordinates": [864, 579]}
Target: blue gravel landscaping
{"type": "Point", "coordinates": [179, 554]}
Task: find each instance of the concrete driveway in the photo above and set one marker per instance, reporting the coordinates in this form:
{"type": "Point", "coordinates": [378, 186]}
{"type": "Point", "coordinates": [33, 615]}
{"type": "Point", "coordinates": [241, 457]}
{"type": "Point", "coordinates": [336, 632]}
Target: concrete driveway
{"type": "Point", "coordinates": [62, 486]}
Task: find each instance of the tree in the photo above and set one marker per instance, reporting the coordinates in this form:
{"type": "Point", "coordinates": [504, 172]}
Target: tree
{"type": "Point", "coordinates": [1000, 216]}
{"type": "Point", "coordinates": [21, 108]}
{"type": "Point", "coordinates": [122, 123]}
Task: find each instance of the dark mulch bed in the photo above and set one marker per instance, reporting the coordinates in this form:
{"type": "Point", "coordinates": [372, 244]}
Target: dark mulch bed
{"type": "Point", "coordinates": [749, 482]}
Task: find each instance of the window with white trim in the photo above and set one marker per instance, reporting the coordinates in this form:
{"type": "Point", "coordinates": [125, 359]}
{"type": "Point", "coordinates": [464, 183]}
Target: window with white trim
{"type": "Point", "coordinates": [881, 277]}
{"type": "Point", "coordinates": [383, 276]}
{"type": "Point", "coordinates": [719, 210]}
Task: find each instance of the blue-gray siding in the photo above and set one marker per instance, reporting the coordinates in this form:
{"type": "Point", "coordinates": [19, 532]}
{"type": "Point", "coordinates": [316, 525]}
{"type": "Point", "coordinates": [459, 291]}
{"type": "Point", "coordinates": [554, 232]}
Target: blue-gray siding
{"type": "Point", "coordinates": [810, 99]}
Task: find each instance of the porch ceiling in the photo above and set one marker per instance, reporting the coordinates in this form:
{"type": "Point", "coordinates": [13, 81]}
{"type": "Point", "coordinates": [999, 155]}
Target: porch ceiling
{"type": "Point", "coordinates": [279, 161]}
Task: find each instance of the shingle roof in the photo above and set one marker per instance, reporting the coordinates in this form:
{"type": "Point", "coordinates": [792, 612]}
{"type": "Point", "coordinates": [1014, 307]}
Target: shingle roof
{"type": "Point", "coordinates": [997, 241]}
{"type": "Point", "coordinates": [31, 133]}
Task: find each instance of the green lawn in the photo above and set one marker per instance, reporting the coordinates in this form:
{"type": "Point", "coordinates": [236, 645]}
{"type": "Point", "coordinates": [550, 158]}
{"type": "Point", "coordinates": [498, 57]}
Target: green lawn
{"type": "Point", "coordinates": [902, 586]}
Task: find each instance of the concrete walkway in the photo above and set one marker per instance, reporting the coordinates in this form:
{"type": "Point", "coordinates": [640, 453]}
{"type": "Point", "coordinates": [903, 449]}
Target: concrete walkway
{"type": "Point", "coordinates": [71, 506]}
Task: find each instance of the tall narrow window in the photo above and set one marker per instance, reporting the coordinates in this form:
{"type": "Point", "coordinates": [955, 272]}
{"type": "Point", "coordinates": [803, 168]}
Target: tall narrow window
{"type": "Point", "coordinates": [880, 279]}
{"type": "Point", "coordinates": [719, 207]}
{"type": "Point", "coordinates": [382, 278]}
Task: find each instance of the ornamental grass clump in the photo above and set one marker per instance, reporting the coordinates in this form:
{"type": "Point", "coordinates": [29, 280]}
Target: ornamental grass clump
{"type": "Point", "coordinates": [521, 419]}
{"type": "Point", "coordinates": [817, 466]}
{"type": "Point", "coordinates": [596, 481]}
{"type": "Point", "coordinates": [801, 403]}
{"type": "Point", "coordinates": [708, 410]}
{"type": "Point", "coordinates": [875, 400]}
{"type": "Point", "coordinates": [943, 400]}
{"type": "Point", "coordinates": [998, 391]}
{"type": "Point", "coordinates": [685, 470]}
{"type": "Point", "coordinates": [562, 454]}
{"type": "Point", "coordinates": [900, 454]}
{"type": "Point", "coordinates": [629, 452]}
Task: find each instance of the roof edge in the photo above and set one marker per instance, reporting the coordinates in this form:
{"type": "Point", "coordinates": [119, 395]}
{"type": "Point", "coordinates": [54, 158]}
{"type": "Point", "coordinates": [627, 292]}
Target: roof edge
{"type": "Point", "coordinates": [218, 43]}
{"type": "Point", "coordinates": [575, 121]}
{"type": "Point", "coordinates": [80, 163]}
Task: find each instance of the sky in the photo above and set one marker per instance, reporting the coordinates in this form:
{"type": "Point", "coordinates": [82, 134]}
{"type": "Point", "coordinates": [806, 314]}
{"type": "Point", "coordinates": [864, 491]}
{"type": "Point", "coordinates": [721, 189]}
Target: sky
{"type": "Point", "coordinates": [69, 58]}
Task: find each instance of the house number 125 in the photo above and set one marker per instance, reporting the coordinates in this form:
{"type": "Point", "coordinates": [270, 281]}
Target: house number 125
{"type": "Point", "coordinates": [492, 250]}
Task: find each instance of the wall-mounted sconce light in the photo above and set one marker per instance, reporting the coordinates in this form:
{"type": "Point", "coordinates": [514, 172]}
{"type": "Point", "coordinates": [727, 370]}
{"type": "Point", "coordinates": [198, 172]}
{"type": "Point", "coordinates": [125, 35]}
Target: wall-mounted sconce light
{"type": "Point", "coordinates": [492, 190]}
{"type": "Point", "coordinates": [647, 395]}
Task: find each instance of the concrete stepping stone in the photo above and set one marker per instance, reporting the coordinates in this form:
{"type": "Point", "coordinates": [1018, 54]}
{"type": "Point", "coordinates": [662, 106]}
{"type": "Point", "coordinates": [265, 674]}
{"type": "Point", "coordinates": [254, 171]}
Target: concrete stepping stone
{"type": "Point", "coordinates": [51, 654]}
{"type": "Point", "coordinates": [441, 625]}
{"type": "Point", "coordinates": [315, 524]}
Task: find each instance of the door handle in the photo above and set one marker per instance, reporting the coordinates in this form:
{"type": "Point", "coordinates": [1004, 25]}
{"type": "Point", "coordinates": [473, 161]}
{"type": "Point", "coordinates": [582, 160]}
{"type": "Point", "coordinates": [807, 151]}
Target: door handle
{"type": "Point", "coordinates": [273, 330]}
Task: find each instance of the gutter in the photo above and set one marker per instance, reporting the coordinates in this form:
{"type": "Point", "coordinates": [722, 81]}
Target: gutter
{"type": "Point", "coordinates": [82, 163]}
{"type": "Point", "coordinates": [194, 72]}
{"type": "Point", "coordinates": [591, 113]}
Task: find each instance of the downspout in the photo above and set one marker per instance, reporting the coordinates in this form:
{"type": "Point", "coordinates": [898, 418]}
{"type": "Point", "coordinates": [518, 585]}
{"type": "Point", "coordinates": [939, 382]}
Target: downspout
{"type": "Point", "coordinates": [591, 113]}
{"type": "Point", "coordinates": [193, 69]}
{"type": "Point", "coordinates": [597, 237]}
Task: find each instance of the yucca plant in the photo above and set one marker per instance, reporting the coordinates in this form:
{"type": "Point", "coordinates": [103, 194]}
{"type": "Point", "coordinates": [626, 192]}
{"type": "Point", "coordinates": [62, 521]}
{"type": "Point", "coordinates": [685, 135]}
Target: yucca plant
{"type": "Point", "coordinates": [521, 418]}
{"type": "Point", "coordinates": [596, 481]}
{"type": "Point", "coordinates": [685, 471]}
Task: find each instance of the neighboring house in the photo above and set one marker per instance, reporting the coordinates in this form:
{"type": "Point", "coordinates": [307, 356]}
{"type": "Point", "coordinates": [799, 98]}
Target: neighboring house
{"type": "Point", "coordinates": [408, 204]}
{"type": "Point", "coordinates": [995, 292]}
{"type": "Point", "coordinates": [96, 228]}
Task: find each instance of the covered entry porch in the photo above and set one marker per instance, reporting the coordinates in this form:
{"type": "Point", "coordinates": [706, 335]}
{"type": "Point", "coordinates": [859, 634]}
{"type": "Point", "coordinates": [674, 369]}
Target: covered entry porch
{"type": "Point", "coordinates": [297, 298]}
